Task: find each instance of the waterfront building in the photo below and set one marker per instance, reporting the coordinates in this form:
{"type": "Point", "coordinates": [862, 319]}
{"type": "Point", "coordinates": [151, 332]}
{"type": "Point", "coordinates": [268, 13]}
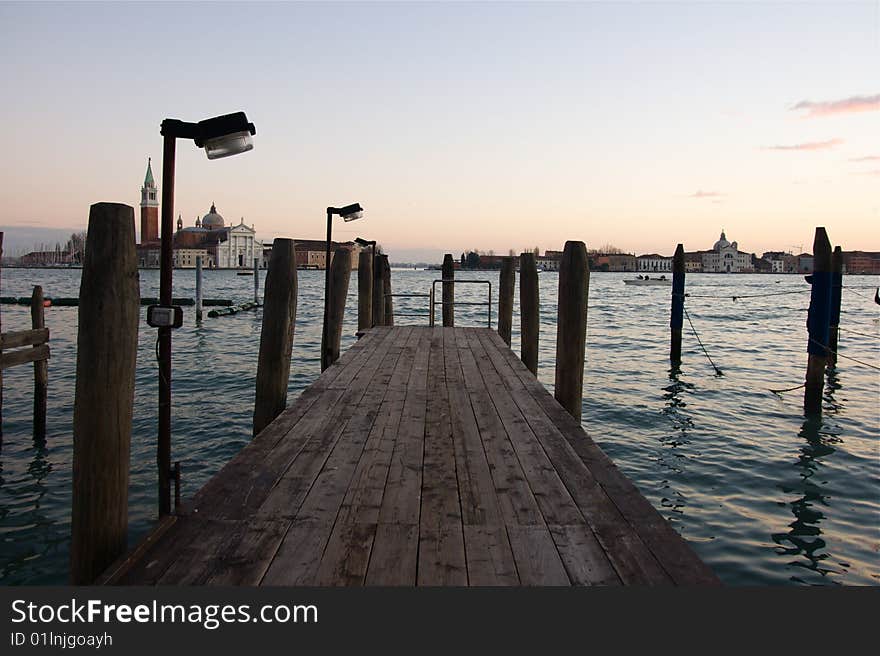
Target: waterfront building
{"type": "Point", "coordinates": [312, 253]}
{"type": "Point", "coordinates": [725, 257]}
{"type": "Point", "coordinates": [862, 262]}
{"type": "Point", "coordinates": [693, 262]}
{"type": "Point", "coordinates": [614, 262]}
{"type": "Point", "coordinates": [227, 247]}
{"type": "Point", "coordinates": [149, 207]}
{"type": "Point", "coordinates": [185, 258]}
{"type": "Point", "coordinates": [654, 263]}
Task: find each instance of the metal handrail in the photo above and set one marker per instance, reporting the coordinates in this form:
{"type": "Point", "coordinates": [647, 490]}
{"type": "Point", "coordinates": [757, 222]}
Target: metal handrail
{"type": "Point", "coordinates": [430, 298]}
{"type": "Point", "coordinates": [488, 303]}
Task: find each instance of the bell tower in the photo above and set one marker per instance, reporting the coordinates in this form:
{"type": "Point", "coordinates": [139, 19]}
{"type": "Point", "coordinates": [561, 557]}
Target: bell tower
{"type": "Point", "coordinates": [149, 208]}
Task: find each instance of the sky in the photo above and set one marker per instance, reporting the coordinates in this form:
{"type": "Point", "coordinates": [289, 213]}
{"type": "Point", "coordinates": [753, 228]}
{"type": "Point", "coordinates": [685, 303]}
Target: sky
{"type": "Point", "coordinates": [458, 126]}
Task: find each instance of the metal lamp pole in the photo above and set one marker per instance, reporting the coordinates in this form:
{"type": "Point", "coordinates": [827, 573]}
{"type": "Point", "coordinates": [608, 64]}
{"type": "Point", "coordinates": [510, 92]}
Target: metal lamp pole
{"type": "Point", "coordinates": [163, 449]}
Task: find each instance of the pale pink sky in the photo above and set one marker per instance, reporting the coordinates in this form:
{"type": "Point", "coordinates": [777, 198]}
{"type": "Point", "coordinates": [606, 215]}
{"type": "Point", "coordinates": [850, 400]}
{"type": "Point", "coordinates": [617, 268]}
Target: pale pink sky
{"type": "Point", "coordinates": [459, 126]}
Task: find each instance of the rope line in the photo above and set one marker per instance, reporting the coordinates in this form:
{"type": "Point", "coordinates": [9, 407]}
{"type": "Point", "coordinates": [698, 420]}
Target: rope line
{"type": "Point", "coordinates": [847, 357]}
{"type": "Point", "coordinates": [856, 332]}
{"type": "Point", "coordinates": [738, 296]}
{"type": "Point", "coordinates": [788, 389]}
{"type": "Point", "coordinates": [700, 342]}
{"type": "Point", "coordinates": [852, 289]}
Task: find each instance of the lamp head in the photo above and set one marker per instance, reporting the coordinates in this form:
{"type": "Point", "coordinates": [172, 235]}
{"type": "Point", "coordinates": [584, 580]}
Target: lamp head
{"type": "Point", "coordinates": [352, 212]}
{"type": "Point", "coordinates": [220, 136]}
{"type": "Point", "coordinates": [364, 242]}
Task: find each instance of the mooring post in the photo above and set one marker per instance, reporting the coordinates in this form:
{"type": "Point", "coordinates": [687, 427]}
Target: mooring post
{"type": "Point", "coordinates": [378, 292]}
{"type": "Point", "coordinates": [818, 318]}
{"type": "Point", "coordinates": [676, 320]}
{"type": "Point", "coordinates": [505, 299]}
{"type": "Point", "coordinates": [41, 367]}
{"type": "Point", "coordinates": [448, 273]}
{"type": "Point", "coordinates": [199, 309]}
{"type": "Point", "coordinates": [386, 292]}
{"type": "Point", "coordinates": [529, 311]}
{"type": "Point", "coordinates": [276, 334]}
{"type": "Point", "coordinates": [106, 359]}
{"type": "Point", "coordinates": [571, 326]}
{"type": "Point", "coordinates": [365, 291]}
{"type": "Point", "coordinates": [836, 294]}
{"type": "Point", "coordinates": [340, 274]}
{"type": "Point", "coordinates": [256, 280]}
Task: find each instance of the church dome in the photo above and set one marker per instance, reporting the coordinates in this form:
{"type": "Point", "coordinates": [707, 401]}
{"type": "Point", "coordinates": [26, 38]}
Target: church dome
{"type": "Point", "coordinates": [721, 243]}
{"type": "Point", "coordinates": [212, 220]}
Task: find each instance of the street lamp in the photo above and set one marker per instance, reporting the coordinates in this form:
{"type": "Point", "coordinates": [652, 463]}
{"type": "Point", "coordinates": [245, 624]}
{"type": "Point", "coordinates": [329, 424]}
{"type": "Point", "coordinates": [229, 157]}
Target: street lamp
{"type": "Point", "coordinates": [220, 136]}
{"type": "Point", "coordinates": [348, 213]}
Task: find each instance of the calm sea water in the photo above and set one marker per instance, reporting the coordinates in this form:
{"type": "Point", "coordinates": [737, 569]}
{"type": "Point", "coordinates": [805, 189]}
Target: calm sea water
{"type": "Point", "coordinates": [764, 496]}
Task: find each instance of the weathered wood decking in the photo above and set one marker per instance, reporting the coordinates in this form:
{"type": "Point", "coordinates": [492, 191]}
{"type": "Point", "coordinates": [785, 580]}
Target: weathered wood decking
{"type": "Point", "coordinates": [424, 456]}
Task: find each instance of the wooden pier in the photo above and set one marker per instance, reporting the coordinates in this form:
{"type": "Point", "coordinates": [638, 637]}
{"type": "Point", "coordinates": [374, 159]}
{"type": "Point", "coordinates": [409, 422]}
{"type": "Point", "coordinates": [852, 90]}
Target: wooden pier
{"type": "Point", "coordinates": [423, 456]}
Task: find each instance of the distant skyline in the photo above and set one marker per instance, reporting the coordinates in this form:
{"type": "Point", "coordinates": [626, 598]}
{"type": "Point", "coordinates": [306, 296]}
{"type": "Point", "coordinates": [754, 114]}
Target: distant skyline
{"type": "Point", "coordinates": [459, 125]}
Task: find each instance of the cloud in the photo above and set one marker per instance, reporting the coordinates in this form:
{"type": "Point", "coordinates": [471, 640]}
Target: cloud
{"type": "Point", "coordinates": [706, 194]}
{"type": "Point", "coordinates": [868, 158]}
{"type": "Point", "coordinates": [810, 145]}
{"type": "Point", "coordinates": [851, 105]}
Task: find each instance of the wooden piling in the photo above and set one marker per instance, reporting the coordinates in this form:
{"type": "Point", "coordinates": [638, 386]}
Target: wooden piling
{"type": "Point", "coordinates": [276, 334]}
{"type": "Point", "coordinates": [340, 274]}
{"type": "Point", "coordinates": [199, 309]}
{"type": "Point", "coordinates": [448, 273]}
{"type": "Point", "coordinates": [505, 298]}
{"type": "Point", "coordinates": [818, 318]}
{"type": "Point", "coordinates": [676, 320]}
{"type": "Point", "coordinates": [378, 292]}
{"type": "Point", "coordinates": [365, 290]}
{"type": "Point", "coordinates": [571, 326]}
{"type": "Point", "coordinates": [256, 280]}
{"type": "Point", "coordinates": [836, 294]}
{"type": "Point", "coordinates": [386, 292]}
{"type": "Point", "coordinates": [41, 367]}
{"type": "Point", "coordinates": [106, 358]}
{"type": "Point", "coordinates": [1, 330]}
{"type": "Point", "coordinates": [529, 311]}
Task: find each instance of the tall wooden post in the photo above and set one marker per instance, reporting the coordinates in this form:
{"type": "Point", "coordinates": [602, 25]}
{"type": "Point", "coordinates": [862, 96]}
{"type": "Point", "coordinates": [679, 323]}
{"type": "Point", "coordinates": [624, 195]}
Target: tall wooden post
{"type": "Point", "coordinates": [818, 319]}
{"type": "Point", "coordinates": [276, 334]}
{"type": "Point", "coordinates": [199, 309]}
{"type": "Point", "coordinates": [340, 275]}
{"type": "Point", "coordinates": [836, 294]}
{"type": "Point", "coordinates": [448, 273]}
{"type": "Point", "coordinates": [256, 280]}
{"type": "Point", "coordinates": [365, 290]}
{"type": "Point", "coordinates": [505, 299]}
{"type": "Point", "coordinates": [106, 358]}
{"type": "Point", "coordinates": [378, 292]}
{"type": "Point", "coordinates": [676, 320]}
{"type": "Point", "coordinates": [571, 326]}
{"type": "Point", "coordinates": [41, 367]}
{"type": "Point", "coordinates": [386, 292]}
{"type": "Point", "coordinates": [529, 311]}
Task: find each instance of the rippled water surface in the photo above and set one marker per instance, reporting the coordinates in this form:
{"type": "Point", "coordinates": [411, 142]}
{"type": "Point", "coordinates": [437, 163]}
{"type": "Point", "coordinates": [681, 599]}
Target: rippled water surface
{"type": "Point", "coordinates": [764, 496]}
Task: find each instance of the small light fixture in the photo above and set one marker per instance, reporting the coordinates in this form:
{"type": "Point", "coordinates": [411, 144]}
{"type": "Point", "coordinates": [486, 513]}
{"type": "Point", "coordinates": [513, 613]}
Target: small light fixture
{"type": "Point", "coordinates": [351, 212]}
{"type": "Point", "coordinates": [220, 136]}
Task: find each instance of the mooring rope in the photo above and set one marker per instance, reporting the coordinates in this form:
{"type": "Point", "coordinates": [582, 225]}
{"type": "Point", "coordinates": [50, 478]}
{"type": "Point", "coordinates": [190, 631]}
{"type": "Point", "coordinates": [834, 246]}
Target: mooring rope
{"type": "Point", "coordinates": [735, 297]}
{"type": "Point", "coordinates": [856, 332]}
{"type": "Point", "coordinates": [853, 290]}
{"type": "Point", "coordinates": [700, 342]}
{"type": "Point", "coordinates": [841, 355]}
{"type": "Point", "coordinates": [788, 389]}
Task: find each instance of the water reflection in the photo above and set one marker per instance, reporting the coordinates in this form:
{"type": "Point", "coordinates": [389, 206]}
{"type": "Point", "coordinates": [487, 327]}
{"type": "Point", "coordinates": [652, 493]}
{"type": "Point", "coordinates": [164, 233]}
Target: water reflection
{"type": "Point", "coordinates": [804, 539]}
{"type": "Point", "coordinates": [671, 455]}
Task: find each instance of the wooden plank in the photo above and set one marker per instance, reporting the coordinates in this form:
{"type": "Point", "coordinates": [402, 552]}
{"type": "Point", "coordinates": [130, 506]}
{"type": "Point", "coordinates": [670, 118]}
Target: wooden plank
{"type": "Point", "coordinates": [441, 541]}
{"type": "Point", "coordinates": [583, 557]}
{"type": "Point", "coordinates": [299, 555]}
{"type": "Point", "coordinates": [13, 358]}
{"type": "Point", "coordinates": [638, 522]}
{"type": "Point", "coordinates": [246, 559]}
{"type": "Point", "coordinates": [33, 337]}
{"type": "Point", "coordinates": [394, 556]}
{"type": "Point", "coordinates": [489, 556]}
{"type": "Point", "coordinates": [537, 559]}
{"type": "Point", "coordinates": [516, 501]}
{"type": "Point", "coordinates": [347, 554]}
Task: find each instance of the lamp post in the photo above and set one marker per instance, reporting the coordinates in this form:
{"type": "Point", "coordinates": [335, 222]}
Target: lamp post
{"type": "Point", "coordinates": [348, 213]}
{"type": "Point", "coordinates": [220, 136]}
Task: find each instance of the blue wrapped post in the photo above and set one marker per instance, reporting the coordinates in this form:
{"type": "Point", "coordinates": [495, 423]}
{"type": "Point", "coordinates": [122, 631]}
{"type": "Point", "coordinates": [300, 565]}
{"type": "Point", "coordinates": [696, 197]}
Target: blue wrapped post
{"type": "Point", "coordinates": [818, 321]}
{"type": "Point", "coordinates": [836, 292]}
{"type": "Point", "coordinates": [677, 317]}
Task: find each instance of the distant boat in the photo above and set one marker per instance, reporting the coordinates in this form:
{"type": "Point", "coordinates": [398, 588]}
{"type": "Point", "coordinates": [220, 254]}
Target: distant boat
{"type": "Point", "coordinates": [661, 281]}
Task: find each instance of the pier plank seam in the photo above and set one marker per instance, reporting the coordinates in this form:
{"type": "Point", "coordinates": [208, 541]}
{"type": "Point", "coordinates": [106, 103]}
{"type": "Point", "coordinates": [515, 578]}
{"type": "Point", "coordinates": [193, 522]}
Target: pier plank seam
{"type": "Point", "coordinates": [424, 456]}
